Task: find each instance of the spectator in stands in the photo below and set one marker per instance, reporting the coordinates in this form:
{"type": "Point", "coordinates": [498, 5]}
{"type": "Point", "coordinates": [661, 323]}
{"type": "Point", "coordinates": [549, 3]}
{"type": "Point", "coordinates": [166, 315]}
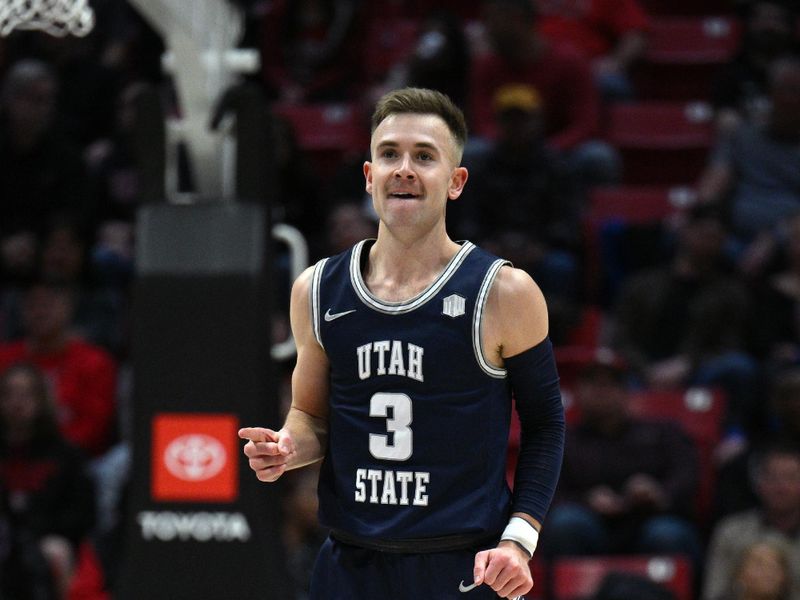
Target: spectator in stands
{"type": "Point", "coordinates": [18, 254]}
{"type": "Point", "coordinates": [82, 375]}
{"type": "Point", "coordinates": [18, 263]}
{"type": "Point", "coordinates": [734, 488]}
{"type": "Point", "coordinates": [764, 573]}
{"type": "Point", "coordinates": [87, 86]}
{"type": "Point", "coordinates": [348, 223]}
{"type": "Point", "coordinates": [440, 59]}
{"type": "Point", "coordinates": [101, 308]}
{"type": "Point", "coordinates": [42, 171]}
{"type": "Point", "coordinates": [687, 323]}
{"type": "Point", "coordinates": [777, 298]}
{"type": "Point", "coordinates": [113, 161]}
{"type": "Point", "coordinates": [520, 201]}
{"type": "Point", "coordinates": [755, 172]}
{"type": "Point", "coordinates": [776, 477]}
{"type": "Point", "coordinates": [785, 408]}
{"type": "Point", "coordinates": [310, 49]}
{"type": "Point", "coordinates": [112, 256]}
{"type": "Point", "coordinates": [563, 78]}
{"type": "Point", "coordinates": [740, 90]}
{"type": "Point", "coordinates": [627, 484]}
{"type": "Point", "coordinates": [46, 489]}
{"type": "Point", "coordinates": [101, 305]}
{"type": "Point", "coordinates": [612, 34]}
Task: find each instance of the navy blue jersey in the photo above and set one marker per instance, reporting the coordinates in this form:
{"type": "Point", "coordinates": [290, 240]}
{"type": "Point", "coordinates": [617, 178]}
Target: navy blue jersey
{"type": "Point", "coordinates": [418, 417]}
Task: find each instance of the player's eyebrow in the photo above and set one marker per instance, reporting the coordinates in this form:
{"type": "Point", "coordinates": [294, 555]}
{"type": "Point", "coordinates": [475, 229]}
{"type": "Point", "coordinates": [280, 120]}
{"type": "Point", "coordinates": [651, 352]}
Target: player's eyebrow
{"type": "Point", "coordinates": [417, 145]}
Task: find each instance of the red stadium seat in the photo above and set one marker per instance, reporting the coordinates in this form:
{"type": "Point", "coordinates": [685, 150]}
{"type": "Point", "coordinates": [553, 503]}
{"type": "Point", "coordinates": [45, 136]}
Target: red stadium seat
{"type": "Point", "coordinates": [326, 132]}
{"type": "Point", "coordinates": [699, 412]}
{"type": "Point", "coordinates": [578, 578]}
{"type": "Point", "coordinates": [325, 126]}
{"type": "Point", "coordinates": [629, 205]}
{"type": "Point", "coordinates": [389, 44]}
{"type": "Point", "coordinates": [693, 40]}
{"type": "Point", "coordinates": [661, 143]}
{"type": "Point", "coordinates": [539, 573]}
{"type": "Point", "coordinates": [683, 55]}
{"type": "Point", "coordinates": [637, 204]}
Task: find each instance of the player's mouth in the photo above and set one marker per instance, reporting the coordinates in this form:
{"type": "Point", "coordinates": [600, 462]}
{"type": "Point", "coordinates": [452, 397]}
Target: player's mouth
{"type": "Point", "coordinates": [404, 195]}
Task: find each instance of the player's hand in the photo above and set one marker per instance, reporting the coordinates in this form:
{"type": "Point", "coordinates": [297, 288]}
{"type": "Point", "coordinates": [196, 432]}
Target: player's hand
{"type": "Point", "coordinates": [504, 569]}
{"type": "Point", "coordinates": [269, 451]}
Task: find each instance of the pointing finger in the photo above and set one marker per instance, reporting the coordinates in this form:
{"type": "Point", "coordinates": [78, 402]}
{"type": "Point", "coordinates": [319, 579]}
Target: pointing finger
{"type": "Point", "coordinates": [258, 434]}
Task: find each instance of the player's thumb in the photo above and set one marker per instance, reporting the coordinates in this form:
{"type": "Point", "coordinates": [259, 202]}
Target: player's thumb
{"type": "Point", "coordinates": [479, 570]}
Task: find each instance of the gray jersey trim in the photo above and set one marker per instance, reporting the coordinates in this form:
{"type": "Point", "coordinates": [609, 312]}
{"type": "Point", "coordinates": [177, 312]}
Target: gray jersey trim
{"type": "Point", "coordinates": [314, 299]}
{"type": "Point", "coordinates": [477, 321]}
{"type": "Point", "coordinates": [397, 308]}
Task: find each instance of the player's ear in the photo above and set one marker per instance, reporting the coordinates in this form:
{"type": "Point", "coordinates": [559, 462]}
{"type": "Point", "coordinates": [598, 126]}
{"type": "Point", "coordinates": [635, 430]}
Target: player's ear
{"type": "Point", "coordinates": [457, 182]}
{"type": "Point", "coordinates": [368, 176]}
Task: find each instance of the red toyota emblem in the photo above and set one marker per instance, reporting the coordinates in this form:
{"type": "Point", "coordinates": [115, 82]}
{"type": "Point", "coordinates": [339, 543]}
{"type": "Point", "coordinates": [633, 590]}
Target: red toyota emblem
{"type": "Point", "coordinates": [193, 457]}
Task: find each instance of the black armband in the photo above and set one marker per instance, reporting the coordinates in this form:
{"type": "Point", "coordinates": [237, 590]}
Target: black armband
{"type": "Point", "coordinates": [535, 386]}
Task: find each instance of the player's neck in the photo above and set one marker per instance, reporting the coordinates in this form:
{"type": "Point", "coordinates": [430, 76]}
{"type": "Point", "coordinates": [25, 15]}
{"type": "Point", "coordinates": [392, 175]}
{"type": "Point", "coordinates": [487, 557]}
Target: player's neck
{"type": "Point", "coordinates": [399, 269]}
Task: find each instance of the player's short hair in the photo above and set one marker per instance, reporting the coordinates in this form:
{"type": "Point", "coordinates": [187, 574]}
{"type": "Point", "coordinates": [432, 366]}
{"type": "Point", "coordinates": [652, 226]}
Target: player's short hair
{"type": "Point", "coordinates": [422, 101]}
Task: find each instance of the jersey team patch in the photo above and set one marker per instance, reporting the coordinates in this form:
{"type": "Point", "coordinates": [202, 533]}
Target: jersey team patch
{"type": "Point", "coordinates": [453, 305]}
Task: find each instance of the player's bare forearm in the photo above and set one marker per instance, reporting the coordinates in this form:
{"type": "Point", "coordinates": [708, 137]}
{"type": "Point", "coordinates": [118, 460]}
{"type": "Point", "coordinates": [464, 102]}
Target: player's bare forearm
{"type": "Point", "coordinates": [310, 435]}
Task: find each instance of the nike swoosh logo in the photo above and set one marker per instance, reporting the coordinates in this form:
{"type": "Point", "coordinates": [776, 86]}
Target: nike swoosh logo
{"type": "Point", "coordinates": [329, 316]}
{"type": "Point", "coordinates": [469, 588]}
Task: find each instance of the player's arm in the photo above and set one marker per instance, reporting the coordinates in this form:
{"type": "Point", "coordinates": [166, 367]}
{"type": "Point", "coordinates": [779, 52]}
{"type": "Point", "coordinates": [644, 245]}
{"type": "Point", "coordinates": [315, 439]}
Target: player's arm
{"type": "Point", "coordinates": [303, 437]}
{"type": "Point", "coordinates": [516, 336]}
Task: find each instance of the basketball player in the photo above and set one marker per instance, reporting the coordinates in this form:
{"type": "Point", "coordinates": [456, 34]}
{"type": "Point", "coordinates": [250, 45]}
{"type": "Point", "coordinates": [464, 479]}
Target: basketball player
{"type": "Point", "coordinates": [409, 348]}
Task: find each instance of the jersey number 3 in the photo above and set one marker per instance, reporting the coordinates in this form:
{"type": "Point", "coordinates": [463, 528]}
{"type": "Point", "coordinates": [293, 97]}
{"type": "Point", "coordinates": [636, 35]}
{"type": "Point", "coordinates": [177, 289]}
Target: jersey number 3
{"type": "Point", "coordinates": [401, 446]}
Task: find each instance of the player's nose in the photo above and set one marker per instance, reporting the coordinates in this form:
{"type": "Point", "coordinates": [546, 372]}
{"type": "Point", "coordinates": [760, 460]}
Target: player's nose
{"type": "Point", "coordinates": [404, 168]}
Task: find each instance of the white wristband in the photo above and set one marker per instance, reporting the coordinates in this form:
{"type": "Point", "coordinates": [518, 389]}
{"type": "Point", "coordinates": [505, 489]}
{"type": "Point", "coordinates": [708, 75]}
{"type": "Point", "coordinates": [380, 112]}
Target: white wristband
{"type": "Point", "coordinates": [520, 531]}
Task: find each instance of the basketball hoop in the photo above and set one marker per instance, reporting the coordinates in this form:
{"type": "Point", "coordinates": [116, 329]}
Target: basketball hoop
{"type": "Point", "coordinates": [56, 17]}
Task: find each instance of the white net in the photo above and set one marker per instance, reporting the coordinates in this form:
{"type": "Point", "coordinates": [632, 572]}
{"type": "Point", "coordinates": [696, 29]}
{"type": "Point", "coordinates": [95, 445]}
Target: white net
{"type": "Point", "coordinates": [56, 17]}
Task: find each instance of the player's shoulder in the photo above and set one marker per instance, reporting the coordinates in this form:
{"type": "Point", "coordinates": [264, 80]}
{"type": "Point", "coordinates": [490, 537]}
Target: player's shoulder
{"type": "Point", "coordinates": [516, 285]}
{"type": "Point", "coordinates": [303, 281]}
{"type": "Point", "coordinates": [516, 311]}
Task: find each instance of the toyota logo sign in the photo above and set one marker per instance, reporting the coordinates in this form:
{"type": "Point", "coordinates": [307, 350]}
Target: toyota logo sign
{"type": "Point", "coordinates": [194, 457]}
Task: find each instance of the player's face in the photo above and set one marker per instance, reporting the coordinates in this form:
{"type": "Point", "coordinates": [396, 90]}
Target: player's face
{"type": "Point", "coordinates": [414, 170]}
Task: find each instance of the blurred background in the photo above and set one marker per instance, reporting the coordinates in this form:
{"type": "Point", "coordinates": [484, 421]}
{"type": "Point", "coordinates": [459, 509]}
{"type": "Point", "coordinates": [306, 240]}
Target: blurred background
{"type": "Point", "coordinates": [167, 168]}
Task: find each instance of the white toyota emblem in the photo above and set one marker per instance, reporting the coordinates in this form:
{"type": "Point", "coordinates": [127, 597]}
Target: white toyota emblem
{"type": "Point", "coordinates": [194, 457]}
